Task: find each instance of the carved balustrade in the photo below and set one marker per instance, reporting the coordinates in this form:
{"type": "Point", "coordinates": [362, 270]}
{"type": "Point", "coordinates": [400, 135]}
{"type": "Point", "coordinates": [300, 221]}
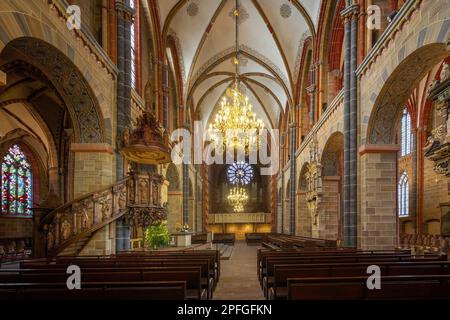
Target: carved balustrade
{"type": "Point", "coordinates": [137, 198]}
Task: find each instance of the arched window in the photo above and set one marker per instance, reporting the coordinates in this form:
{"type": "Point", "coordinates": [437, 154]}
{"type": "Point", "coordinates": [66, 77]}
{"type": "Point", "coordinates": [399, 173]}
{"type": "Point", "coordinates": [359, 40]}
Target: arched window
{"type": "Point", "coordinates": [133, 49]}
{"type": "Point", "coordinates": [406, 136]}
{"type": "Point", "coordinates": [403, 195]}
{"type": "Point", "coordinates": [16, 184]}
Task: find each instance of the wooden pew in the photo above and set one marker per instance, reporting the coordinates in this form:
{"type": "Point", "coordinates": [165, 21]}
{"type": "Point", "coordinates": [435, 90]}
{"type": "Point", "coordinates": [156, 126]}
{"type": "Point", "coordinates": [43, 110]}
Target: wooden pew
{"type": "Point", "coordinates": [209, 267]}
{"type": "Point", "coordinates": [255, 238]}
{"type": "Point", "coordinates": [278, 289]}
{"type": "Point", "coordinates": [226, 238]}
{"type": "Point", "coordinates": [207, 282]}
{"type": "Point", "coordinates": [190, 275]}
{"type": "Point", "coordinates": [355, 288]}
{"type": "Point", "coordinates": [270, 262]}
{"type": "Point", "coordinates": [150, 290]}
{"type": "Point", "coordinates": [214, 255]}
{"type": "Point", "coordinates": [333, 254]}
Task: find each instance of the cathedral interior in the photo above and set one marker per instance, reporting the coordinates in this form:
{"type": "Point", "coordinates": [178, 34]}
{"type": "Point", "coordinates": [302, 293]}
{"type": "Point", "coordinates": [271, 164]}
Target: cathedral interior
{"type": "Point", "coordinates": [115, 121]}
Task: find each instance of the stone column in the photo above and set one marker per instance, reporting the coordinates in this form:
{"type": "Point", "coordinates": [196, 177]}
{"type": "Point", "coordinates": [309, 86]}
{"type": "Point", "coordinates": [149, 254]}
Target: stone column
{"type": "Point", "coordinates": [202, 199]}
{"type": "Point", "coordinates": [350, 14]}
{"type": "Point", "coordinates": [197, 195]}
{"type": "Point", "coordinates": [329, 208]}
{"type": "Point", "coordinates": [125, 15]}
{"type": "Point", "coordinates": [292, 197]}
{"type": "Point", "coordinates": [312, 94]}
{"type": "Point", "coordinates": [123, 234]}
{"type": "Point", "coordinates": [185, 193]}
{"type": "Point", "coordinates": [283, 148]}
{"type": "Point", "coordinates": [414, 180]}
{"type": "Point", "coordinates": [378, 224]}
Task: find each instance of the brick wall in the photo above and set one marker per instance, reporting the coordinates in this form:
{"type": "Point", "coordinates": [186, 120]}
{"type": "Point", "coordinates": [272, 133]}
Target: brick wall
{"type": "Point", "coordinates": [102, 242]}
{"type": "Point", "coordinates": [93, 171]}
{"type": "Point", "coordinates": [16, 228]}
{"type": "Point", "coordinates": [175, 210]}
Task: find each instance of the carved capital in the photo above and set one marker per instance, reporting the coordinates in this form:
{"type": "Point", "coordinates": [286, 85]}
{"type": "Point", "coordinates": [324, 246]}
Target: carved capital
{"type": "Point", "coordinates": [125, 11]}
{"type": "Point", "coordinates": [350, 13]}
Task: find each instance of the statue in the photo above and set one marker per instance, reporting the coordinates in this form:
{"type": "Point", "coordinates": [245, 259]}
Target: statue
{"type": "Point", "coordinates": [155, 194]}
{"type": "Point", "coordinates": [148, 96]}
{"type": "Point", "coordinates": [84, 218]}
{"type": "Point", "coordinates": [65, 230]}
{"type": "Point", "coordinates": [105, 209]}
{"type": "Point", "coordinates": [50, 239]}
{"type": "Point", "coordinates": [126, 136]}
{"type": "Point", "coordinates": [143, 191]}
{"type": "Point", "coordinates": [122, 200]}
{"type": "Point", "coordinates": [147, 134]}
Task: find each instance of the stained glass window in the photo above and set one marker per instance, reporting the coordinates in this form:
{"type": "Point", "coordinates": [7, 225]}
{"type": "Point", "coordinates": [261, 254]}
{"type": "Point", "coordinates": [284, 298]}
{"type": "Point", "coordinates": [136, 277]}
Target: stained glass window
{"type": "Point", "coordinates": [406, 143]}
{"type": "Point", "coordinates": [240, 173]}
{"type": "Point", "coordinates": [403, 195]}
{"type": "Point", "coordinates": [16, 184]}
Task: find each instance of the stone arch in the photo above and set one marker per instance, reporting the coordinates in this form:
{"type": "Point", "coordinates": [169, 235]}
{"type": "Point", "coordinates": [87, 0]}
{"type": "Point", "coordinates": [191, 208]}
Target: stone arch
{"type": "Point", "coordinates": [67, 80]}
{"type": "Point", "coordinates": [288, 190]}
{"type": "Point", "coordinates": [332, 156]}
{"type": "Point", "coordinates": [397, 89]}
{"type": "Point", "coordinates": [302, 186]}
{"type": "Point", "coordinates": [280, 194]}
{"type": "Point", "coordinates": [173, 177]}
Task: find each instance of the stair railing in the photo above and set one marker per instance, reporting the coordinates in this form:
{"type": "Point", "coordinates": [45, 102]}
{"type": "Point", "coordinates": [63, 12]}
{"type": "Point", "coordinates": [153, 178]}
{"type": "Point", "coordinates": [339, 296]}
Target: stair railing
{"type": "Point", "coordinates": [137, 196]}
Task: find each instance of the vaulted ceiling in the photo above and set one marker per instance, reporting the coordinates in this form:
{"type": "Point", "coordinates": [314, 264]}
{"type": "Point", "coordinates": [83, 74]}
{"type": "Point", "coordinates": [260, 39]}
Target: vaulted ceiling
{"type": "Point", "coordinates": [272, 33]}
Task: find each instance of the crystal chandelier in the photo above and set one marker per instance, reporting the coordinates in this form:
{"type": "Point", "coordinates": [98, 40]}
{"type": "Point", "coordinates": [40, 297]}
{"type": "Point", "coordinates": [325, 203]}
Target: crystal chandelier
{"type": "Point", "coordinates": [235, 116]}
{"type": "Point", "coordinates": [238, 198]}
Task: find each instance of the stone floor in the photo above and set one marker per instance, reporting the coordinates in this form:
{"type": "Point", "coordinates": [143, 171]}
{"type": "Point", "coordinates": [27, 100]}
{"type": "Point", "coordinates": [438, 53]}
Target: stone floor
{"type": "Point", "coordinates": [238, 278]}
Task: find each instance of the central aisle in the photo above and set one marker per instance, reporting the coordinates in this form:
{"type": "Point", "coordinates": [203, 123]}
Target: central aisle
{"type": "Point", "coordinates": [238, 278]}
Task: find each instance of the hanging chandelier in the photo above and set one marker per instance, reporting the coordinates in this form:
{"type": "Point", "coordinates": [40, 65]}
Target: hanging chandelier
{"type": "Point", "coordinates": [235, 124]}
{"type": "Point", "coordinates": [238, 197]}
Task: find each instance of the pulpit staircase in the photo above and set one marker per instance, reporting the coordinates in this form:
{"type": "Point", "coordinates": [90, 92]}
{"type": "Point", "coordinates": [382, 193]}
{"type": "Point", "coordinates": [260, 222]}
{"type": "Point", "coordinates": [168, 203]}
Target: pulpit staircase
{"type": "Point", "coordinates": [66, 230]}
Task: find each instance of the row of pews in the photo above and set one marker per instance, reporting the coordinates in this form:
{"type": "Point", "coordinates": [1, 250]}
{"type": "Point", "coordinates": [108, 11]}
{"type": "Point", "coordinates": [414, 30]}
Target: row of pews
{"type": "Point", "coordinates": [155, 275]}
{"type": "Point", "coordinates": [323, 273]}
{"type": "Point", "coordinates": [277, 241]}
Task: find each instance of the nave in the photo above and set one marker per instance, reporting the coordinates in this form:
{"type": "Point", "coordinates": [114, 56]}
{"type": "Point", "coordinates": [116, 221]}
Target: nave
{"type": "Point", "coordinates": [143, 141]}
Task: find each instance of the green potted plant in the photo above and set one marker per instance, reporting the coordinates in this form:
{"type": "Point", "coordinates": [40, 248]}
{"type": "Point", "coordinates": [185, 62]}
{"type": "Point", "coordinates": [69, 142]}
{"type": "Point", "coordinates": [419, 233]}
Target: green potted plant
{"type": "Point", "coordinates": [157, 236]}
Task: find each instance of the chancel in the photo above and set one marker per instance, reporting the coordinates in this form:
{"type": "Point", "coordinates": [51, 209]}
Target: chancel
{"type": "Point", "coordinates": [224, 150]}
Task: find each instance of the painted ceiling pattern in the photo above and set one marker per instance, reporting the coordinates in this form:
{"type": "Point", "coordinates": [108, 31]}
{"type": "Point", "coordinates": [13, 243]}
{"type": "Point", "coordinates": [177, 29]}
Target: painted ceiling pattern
{"type": "Point", "coordinates": [272, 35]}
